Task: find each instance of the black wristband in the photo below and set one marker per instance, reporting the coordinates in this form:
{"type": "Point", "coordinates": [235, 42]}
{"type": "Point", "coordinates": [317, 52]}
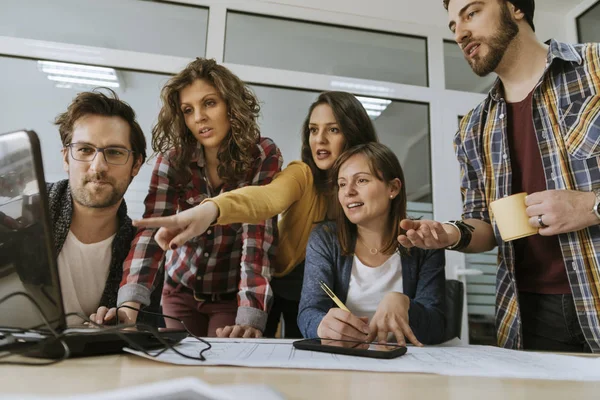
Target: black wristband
{"type": "Point", "coordinates": [465, 235]}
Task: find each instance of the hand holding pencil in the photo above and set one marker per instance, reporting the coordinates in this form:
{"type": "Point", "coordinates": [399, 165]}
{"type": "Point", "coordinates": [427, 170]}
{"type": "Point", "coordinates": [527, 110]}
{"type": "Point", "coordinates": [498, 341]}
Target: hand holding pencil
{"type": "Point", "coordinates": [340, 323]}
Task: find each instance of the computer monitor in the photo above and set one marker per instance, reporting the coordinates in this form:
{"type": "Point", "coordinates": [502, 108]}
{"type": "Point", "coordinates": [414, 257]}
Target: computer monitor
{"type": "Point", "coordinates": [27, 254]}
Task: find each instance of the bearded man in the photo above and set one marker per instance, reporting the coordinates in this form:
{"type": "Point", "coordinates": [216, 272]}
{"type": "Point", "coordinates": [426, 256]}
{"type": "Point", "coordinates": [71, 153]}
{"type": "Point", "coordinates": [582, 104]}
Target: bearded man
{"type": "Point", "coordinates": [103, 149]}
{"type": "Point", "coordinates": [538, 131]}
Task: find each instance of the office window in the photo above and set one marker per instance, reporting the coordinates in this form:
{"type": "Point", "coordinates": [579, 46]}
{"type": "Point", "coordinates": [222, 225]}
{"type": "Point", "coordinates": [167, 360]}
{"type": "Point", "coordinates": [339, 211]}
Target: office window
{"type": "Point", "coordinates": [30, 101]}
{"type": "Point", "coordinates": [325, 49]}
{"type": "Point", "coordinates": [144, 26]}
{"type": "Point", "coordinates": [403, 126]}
{"type": "Point", "coordinates": [588, 25]}
{"type": "Point", "coordinates": [458, 73]}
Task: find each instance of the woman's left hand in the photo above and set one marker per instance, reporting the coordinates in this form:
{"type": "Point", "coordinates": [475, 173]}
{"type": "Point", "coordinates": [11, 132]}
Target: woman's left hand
{"type": "Point", "coordinates": [237, 331]}
{"type": "Point", "coordinates": [392, 317]}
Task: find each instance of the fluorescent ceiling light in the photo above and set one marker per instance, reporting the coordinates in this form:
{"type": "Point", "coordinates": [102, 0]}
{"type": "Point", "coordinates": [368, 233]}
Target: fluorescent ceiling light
{"type": "Point", "coordinates": [69, 75]}
{"type": "Point", "coordinates": [374, 106]}
{"type": "Point", "coordinates": [82, 81]}
{"type": "Point", "coordinates": [351, 86]}
{"type": "Point", "coordinates": [81, 74]}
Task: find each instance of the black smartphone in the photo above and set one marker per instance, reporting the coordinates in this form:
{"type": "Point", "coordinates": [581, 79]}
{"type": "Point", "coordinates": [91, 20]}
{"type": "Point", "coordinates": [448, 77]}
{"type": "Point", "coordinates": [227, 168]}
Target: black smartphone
{"type": "Point", "coordinates": [352, 348]}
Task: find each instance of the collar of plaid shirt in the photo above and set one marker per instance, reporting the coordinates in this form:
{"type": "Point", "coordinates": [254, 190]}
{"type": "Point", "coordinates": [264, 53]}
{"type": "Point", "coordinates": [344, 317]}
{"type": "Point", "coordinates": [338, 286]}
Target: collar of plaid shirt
{"type": "Point", "coordinates": [566, 116]}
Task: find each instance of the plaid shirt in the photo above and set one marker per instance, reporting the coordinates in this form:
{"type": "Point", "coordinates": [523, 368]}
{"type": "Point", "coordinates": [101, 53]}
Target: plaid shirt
{"type": "Point", "coordinates": [225, 259]}
{"type": "Point", "coordinates": [566, 116]}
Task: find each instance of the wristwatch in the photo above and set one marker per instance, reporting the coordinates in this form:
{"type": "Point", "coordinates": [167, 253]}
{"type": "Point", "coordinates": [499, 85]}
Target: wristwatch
{"type": "Point", "coordinates": [596, 208]}
{"type": "Point", "coordinates": [465, 231]}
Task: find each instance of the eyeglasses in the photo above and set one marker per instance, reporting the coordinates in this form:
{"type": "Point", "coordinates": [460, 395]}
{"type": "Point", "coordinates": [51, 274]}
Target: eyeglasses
{"type": "Point", "coordinates": [87, 153]}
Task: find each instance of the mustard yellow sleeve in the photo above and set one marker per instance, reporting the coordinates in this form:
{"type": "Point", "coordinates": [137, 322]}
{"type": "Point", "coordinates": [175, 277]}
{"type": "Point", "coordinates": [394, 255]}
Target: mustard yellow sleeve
{"type": "Point", "coordinates": [253, 204]}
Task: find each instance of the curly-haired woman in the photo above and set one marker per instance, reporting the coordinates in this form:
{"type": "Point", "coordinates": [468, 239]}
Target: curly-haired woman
{"type": "Point", "coordinates": [208, 142]}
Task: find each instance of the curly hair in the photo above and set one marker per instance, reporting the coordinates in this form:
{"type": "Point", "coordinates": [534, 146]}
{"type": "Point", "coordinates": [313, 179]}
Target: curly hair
{"type": "Point", "coordinates": [354, 122]}
{"type": "Point", "coordinates": [171, 136]}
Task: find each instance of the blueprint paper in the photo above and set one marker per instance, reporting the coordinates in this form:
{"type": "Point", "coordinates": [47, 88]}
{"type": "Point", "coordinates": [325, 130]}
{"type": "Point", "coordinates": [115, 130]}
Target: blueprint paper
{"type": "Point", "coordinates": [448, 359]}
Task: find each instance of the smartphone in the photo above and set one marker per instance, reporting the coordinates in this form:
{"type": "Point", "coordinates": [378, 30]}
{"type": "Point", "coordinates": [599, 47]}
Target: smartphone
{"type": "Point", "coordinates": [352, 348]}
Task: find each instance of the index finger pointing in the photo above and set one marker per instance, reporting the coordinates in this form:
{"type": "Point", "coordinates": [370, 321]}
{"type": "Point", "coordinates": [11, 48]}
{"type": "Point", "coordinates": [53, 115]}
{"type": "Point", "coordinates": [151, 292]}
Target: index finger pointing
{"type": "Point", "coordinates": [156, 222]}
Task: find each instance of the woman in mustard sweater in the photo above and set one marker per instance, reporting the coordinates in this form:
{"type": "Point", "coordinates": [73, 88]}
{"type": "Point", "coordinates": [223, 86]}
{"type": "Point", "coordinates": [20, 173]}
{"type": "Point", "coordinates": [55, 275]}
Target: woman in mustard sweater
{"type": "Point", "coordinates": [301, 194]}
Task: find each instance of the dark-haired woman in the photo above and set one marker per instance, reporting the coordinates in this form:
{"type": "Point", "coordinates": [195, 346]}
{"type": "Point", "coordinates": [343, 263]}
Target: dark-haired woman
{"type": "Point", "coordinates": [208, 142]}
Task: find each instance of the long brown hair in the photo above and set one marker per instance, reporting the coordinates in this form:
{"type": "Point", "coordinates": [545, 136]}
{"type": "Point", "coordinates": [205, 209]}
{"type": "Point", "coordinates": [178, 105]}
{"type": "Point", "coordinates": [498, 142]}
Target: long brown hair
{"type": "Point", "coordinates": [384, 165]}
{"type": "Point", "coordinates": [236, 153]}
{"type": "Point", "coordinates": [354, 122]}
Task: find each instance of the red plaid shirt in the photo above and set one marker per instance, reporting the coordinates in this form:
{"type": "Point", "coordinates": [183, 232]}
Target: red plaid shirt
{"type": "Point", "coordinates": [224, 259]}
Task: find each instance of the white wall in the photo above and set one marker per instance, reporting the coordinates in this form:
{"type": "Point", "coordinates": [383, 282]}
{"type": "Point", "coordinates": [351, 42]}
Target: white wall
{"type": "Point", "coordinates": [431, 13]}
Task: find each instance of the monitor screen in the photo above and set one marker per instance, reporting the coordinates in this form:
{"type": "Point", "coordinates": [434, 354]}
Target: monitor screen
{"type": "Point", "coordinates": [27, 260]}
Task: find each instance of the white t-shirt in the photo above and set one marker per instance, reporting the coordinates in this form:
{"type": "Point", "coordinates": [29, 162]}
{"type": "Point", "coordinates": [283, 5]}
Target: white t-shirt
{"type": "Point", "coordinates": [83, 270]}
{"type": "Point", "coordinates": [368, 285]}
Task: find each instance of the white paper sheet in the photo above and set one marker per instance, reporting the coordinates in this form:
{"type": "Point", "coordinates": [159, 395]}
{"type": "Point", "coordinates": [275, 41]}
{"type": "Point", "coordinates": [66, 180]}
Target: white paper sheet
{"type": "Point", "coordinates": [447, 359]}
{"type": "Point", "coordinates": [175, 389]}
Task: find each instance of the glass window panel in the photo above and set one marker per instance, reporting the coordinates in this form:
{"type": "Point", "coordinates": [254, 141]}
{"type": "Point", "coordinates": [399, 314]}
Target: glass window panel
{"type": "Point", "coordinates": [588, 25]}
{"type": "Point", "coordinates": [30, 101]}
{"type": "Point", "coordinates": [325, 49]}
{"type": "Point", "coordinates": [459, 75]}
{"type": "Point", "coordinates": [144, 26]}
{"type": "Point", "coordinates": [402, 126]}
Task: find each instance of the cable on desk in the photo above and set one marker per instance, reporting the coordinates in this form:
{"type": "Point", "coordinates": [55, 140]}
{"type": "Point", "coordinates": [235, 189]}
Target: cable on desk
{"type": "Point", "coordinates": [37, 345]}
{"type": "Point", "coordinates": [170, 347]}
{"type": "Point", "coordinates": [117, 329]}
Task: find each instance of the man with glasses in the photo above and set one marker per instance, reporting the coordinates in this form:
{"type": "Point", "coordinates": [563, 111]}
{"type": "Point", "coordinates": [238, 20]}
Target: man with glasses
{"type": "Point", "coordinates": [103, 149]}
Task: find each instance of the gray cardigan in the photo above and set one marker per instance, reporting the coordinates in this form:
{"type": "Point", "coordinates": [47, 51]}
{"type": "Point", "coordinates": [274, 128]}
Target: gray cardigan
{"type": "Point", "coordinates": [423, 282]}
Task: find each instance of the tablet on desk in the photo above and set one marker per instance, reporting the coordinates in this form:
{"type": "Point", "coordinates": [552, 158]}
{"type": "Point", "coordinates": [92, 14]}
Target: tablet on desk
{"type": "Point", "coordinates": [352, 348]}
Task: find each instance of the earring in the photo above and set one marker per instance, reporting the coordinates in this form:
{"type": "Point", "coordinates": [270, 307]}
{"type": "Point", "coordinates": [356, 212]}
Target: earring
{"type": "Point", "coordinates": [391, 196]}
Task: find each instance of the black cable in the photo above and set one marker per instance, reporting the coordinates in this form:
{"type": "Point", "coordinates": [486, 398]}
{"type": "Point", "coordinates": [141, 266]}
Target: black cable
{"type": "Point", "coordinates": [117, 329]}
{"type": "Point", "coordinates": [40, 344]}
{"type": "Point", "coordinates": [37, 306]}
{"type": "Point", "coordinates": [170, 347]}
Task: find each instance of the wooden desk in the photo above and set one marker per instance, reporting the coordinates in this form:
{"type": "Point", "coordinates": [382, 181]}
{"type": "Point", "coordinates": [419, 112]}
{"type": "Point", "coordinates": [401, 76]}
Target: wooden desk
{"type": "Point", "coordinates": [86, 375]}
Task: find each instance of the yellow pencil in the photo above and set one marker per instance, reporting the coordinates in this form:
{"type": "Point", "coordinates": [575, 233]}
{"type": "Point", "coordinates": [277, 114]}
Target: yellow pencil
{"type": "Point", "coordinates": [330, 293]}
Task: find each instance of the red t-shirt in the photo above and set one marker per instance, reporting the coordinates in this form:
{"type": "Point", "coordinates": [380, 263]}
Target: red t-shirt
{"type": "Point", "coordinates": [539, 265]}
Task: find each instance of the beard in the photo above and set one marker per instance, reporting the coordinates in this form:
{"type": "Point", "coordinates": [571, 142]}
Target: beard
{"type": "Point", "coordinates": [497, 44]}
{"type": "Point", "coordinates": [105, 196]}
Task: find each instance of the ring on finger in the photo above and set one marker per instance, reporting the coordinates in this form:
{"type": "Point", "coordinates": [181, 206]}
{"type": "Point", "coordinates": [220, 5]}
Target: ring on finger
{"type": "Point", "coordinates": [541, 222]}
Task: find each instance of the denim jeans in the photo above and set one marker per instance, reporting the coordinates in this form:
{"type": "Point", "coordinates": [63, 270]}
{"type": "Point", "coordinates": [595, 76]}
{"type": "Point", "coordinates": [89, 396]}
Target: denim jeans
{"type": "Point", "coordinates": [549, 323]}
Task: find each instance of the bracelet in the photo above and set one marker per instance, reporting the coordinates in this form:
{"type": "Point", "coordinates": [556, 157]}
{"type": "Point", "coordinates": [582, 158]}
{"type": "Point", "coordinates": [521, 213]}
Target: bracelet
{"type": "Point", "coordinates": [465, 232]}
{"type": "Point", "coordinates": [453, 246]}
